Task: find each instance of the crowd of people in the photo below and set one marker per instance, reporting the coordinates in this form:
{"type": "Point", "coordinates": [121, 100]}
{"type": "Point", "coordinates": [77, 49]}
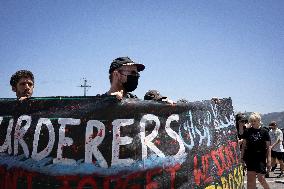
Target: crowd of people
{"type": "Point", "coordinates": [261, 148]}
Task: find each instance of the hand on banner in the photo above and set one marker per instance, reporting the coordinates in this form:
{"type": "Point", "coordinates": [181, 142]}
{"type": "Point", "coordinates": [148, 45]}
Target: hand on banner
{"type": "Point", "coordinates": [118, 94]}
{"type": "Point", "coordinates": [23, 98]}
{"type": "Point", "coordinates": [171, 102]}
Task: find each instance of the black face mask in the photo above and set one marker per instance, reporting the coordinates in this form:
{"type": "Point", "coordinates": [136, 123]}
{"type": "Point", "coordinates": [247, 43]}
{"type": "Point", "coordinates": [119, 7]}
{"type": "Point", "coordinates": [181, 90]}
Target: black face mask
{"type": "Point", "coordinates": [131, 83]}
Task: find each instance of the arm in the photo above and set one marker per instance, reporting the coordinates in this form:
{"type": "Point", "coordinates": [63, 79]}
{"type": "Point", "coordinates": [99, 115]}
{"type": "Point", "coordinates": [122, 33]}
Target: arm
{"type": "Point", "coordinates": [241, 141]}
{"type": "Point", "coordinates": [268, 155]}
{"type": "Point", "coordinates": [244, 146]}
{"type": "Point", "coordinates": [278, 141]}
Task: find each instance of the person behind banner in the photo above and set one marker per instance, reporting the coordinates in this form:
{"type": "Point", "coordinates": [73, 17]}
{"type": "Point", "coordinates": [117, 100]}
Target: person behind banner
{"type": "Point", "coordinates": [277, 149]}
{"type": "Point", "coordinates": [22, 83]}
{"type": "Point", "coordinates": [124, 76]}
{"type": "Point", "coordinates": [241, 124]}
{"type": "Point", "coordinates": [257, 144]}
{"type": "Point", "coordinates": [156, 96]}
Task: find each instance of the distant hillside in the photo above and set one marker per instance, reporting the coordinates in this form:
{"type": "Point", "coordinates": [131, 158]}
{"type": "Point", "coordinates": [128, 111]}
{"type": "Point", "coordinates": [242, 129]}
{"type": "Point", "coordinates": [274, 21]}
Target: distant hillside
{"type": "Point", "coordinates": [275, 116]}
{"type": "Point", "coordinates": [267, 118]}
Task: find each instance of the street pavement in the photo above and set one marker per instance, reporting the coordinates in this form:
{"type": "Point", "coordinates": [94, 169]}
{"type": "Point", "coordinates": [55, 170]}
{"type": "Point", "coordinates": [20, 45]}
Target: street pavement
{"type": "Point", "coordinates": [273, 181]}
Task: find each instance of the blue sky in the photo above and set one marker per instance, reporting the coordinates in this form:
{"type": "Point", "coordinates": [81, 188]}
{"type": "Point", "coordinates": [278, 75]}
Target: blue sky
{"type": "Point", "coordinates": [191, 49]}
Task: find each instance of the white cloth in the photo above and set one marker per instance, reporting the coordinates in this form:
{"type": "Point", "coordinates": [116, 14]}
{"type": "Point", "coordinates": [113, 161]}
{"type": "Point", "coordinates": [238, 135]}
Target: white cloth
{"type": "Point", "coordinates": [274, 136]}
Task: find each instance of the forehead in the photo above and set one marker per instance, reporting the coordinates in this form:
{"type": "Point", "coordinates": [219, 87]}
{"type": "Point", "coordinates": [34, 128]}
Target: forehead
{"type": "Point", "coordinates": [25, 79]}
{"type": "Point", "coordinates": [129, 67]}
{"type": "Point", "coordinates": [254, 120]}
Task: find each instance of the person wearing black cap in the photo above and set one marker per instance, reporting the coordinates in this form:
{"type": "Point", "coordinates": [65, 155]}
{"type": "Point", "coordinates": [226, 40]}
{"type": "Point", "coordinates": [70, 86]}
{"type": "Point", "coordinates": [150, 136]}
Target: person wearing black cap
{"type": "Point", "coordinates": [156, 96]}
{"type": "Point", "coordinates": [124, 76]}
{"type": "Point", "coordinates": [22, 83]}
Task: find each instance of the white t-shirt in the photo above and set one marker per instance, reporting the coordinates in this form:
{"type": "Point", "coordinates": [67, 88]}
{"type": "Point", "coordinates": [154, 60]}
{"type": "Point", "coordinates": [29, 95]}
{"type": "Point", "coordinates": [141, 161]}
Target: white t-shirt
{"type": "Point", "coordinates": [274, 136]}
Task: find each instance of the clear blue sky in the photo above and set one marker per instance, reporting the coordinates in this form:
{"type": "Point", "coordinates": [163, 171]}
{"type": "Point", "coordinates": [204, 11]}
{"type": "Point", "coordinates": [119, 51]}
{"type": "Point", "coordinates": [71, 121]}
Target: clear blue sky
{"type": "Point", "coordinates": [191, 49]}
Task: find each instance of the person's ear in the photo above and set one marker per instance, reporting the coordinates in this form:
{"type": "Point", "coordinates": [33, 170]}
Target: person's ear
{"type": "Point", "coordinates": [115, 74]}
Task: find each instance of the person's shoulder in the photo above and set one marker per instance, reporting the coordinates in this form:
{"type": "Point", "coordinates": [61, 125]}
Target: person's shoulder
{"type": "Point", "coordinates": [278, 130]}
{"type": "Point", "coordinates": [103, 95]}
{"type": "Point", "coordinates": [247, 130]}
{"type": "Point", "coordinates": [263, 130]}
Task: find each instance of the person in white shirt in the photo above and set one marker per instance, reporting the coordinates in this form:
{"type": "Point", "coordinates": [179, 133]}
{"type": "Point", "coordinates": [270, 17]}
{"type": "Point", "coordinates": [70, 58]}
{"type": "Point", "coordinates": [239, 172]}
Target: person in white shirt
{"type": "Point", "coordinates": [277, 150]}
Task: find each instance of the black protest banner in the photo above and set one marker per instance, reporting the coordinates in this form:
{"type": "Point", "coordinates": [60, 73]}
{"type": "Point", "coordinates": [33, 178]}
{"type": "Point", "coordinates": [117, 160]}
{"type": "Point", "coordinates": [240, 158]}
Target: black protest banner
{"type": "Point", "coordinates": [95, 142]}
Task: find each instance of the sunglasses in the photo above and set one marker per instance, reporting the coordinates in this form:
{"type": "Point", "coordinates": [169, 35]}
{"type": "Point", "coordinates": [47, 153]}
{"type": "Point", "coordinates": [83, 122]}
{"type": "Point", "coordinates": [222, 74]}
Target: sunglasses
{"type": "Point", "coordinates": [133, 73]}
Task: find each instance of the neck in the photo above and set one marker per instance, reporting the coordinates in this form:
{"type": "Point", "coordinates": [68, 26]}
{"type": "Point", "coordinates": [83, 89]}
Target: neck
{"type": "Point", "coordinates": [256, 126]}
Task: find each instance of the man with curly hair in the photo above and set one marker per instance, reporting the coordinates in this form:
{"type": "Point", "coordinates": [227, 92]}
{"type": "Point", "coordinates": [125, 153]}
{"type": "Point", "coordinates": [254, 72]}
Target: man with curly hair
{"type": "Point", "coordinates": [22, 83]}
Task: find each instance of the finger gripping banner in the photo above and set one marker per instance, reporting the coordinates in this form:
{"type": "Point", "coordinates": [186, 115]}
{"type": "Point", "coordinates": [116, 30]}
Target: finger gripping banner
{"type": "Point", "coordinates": [103, 143]}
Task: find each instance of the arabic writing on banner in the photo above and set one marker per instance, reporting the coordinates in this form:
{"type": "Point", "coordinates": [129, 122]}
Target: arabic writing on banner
{"type": "Point", "coordinates": [95, 142]}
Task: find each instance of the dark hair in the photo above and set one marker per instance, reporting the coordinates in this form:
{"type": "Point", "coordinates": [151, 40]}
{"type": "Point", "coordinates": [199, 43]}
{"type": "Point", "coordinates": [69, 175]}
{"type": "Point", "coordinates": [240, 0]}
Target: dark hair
{"type": "Point", "coordinates": [110, 78]}
{"type": "Point", "coordinates": [239, 117]}
{"type": "Point", "coordinates": [272, 123]}
{"type": "Point", "coordinates": [15, 78]}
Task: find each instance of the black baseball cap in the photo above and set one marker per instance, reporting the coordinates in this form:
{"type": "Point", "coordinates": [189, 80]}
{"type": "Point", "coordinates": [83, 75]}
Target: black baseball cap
{"type": "Point", "coordinates": [154, 95]}
{"type": "Point", "coordinates": [124, 61]}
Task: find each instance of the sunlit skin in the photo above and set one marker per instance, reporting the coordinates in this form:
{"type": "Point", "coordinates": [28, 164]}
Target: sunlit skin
{"type": "Point", "coordinates": [255, 123]}
{"type": "Point", "coordinates": [119, 77]}
{"type": "Point", "coordinates": [24, 88]}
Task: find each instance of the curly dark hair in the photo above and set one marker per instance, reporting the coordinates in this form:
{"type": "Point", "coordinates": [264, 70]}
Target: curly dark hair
{"type": "Point", "coordinates": [20, 74]}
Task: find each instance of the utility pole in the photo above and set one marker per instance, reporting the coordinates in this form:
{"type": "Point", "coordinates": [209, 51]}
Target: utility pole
{"type": "Point", "coordinates": [85, 86]}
